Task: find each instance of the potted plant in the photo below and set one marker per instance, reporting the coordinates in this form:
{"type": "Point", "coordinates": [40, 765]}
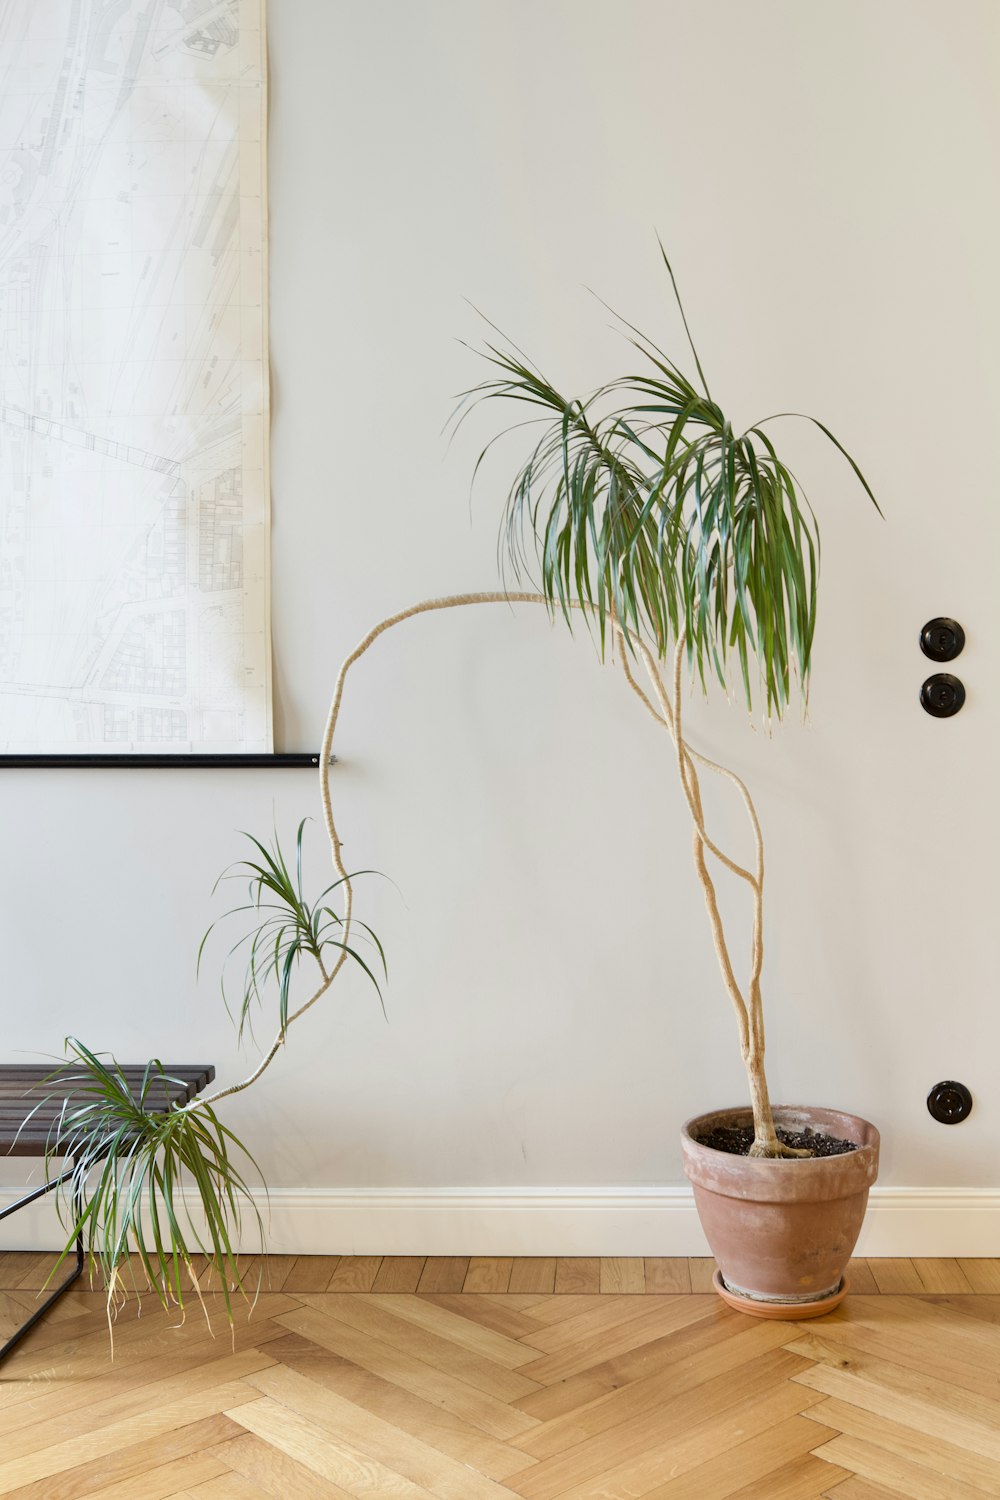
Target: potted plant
{"type": "Point", "coordinates": [683, 541]}
{"type": "Point", "coordinates": [688, 549]}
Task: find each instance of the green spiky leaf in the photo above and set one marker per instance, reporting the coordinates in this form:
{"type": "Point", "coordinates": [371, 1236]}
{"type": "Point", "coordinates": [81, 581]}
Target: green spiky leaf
{"type": "Point", "coordinates": [642, 500]}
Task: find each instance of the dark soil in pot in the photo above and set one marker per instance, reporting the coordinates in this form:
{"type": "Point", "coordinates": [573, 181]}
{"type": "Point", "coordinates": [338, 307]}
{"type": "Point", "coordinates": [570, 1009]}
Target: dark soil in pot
{"type": "Point", "coordinates": [737, 1140]}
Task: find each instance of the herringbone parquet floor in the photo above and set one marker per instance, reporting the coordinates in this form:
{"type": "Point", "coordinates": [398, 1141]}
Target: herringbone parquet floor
{"type": "Point", "coordinates": [477, 1380]}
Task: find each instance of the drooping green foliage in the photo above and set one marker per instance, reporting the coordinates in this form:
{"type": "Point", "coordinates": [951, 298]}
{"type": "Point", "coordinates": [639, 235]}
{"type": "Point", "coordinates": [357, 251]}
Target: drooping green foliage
{"type": "Point", "coordinates": [640, 499]}
{"type": "Point", "coordinates": [140, 1171]}
{"type": "Point", "coordinates": [167, 1185]}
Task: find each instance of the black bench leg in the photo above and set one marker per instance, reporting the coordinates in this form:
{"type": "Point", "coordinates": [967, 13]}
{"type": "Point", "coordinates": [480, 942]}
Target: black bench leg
{"type": "Point", "coordinates": [64, 1286]}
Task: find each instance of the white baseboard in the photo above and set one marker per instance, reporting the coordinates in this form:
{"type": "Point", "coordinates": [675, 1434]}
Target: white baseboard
{"type": "Point", "coordinates": [555, 1221]}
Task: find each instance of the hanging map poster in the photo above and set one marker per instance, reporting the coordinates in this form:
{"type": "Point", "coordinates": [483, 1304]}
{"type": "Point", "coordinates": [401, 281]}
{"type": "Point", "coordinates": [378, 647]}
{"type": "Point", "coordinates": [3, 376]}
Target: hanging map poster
{"type": "Point", "coordinates": [133, 377]}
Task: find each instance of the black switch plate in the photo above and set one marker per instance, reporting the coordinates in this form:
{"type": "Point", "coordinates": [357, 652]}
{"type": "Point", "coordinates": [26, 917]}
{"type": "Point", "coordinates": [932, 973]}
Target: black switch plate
{"type": "Point", "coordinates": [942, 639]}
{"type": "Point", "coordinates": [942, 695]}
{"type": "Point", "coordinates": [950, 1102]}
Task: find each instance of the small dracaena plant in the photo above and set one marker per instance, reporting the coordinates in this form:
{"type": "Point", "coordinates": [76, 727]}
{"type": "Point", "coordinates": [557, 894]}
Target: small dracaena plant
{"type": "Point", "coordinates": [161, 1196]}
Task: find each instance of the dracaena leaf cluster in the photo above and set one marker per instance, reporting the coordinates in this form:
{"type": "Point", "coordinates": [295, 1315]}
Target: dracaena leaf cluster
{"type": "Point", "coordinates": [641, 500]}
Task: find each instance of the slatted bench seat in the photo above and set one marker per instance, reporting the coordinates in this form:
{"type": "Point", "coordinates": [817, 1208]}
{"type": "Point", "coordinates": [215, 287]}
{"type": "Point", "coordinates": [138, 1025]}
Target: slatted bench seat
{"type": "Point", "coordinates": [31, 1101]}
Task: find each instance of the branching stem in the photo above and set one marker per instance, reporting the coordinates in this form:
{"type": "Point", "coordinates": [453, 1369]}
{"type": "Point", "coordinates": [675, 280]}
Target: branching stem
{"type": "Point", "coordinates": [749, 1009]}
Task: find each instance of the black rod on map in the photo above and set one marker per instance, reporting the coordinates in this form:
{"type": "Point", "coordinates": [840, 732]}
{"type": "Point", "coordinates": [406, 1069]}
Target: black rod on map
{"type": "Point", "coordinates": [172, 762]}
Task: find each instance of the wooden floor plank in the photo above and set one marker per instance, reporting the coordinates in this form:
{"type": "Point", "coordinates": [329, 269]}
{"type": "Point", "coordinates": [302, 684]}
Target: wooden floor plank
{"type": "Point", "coordinates": [634, 1334]}
{"type": "Point", "coordinates": [670, 1461]}
{"type": "Point", "coordinates": [755, 1463]}
{"type": "Point", "coordinates": [162, 1481]}
{"type": "Point", "coordinates": [275, 1270]}
{"type": "Point", "coordinates": [15, 1309]}
{"type": "Point", "coordinates": [462, 1329]}
{"type": "Point", "coordinates": [633, 1419]}
{"type": "Point", "coordinates": [860, 1280]}
{"type": "Point", "coordinates": [578, 1275]}
{"type": "Point", "coordinates": [302, 1440]}
{"type": "Point", "coordinates": [680, 1396]}
{"type": "Point", "coordinates": [701, 1270]}
{"type": "Point", "coordinates": [45, 1385]}
{"type": "Point", "coordinates": [81, 1349]}
{"type": "Point", "coordinates": [402, 1368]}
{"type": "Point", "coordinates": [80, 1480]}
{"type": "Point", "coordinates": [443, 1273]}
{"type": "Point", "coordinates": [858, 1489]}
{"type": "Point", "coordinates": [805, 1478]}
{"type": "Point", "coordinates": [976, 1305]}
{"type": "Point", "coordinates": [246, 1274]}
{"type": "Point", "coordinates": [420, 1417]}
{"type": "Point", "coordinates": [547, 1311]}
{"type": "Point", "coordinates": [39, 1269]}
{"type": "Point", "coordinates": [355, 1273]}
{"type": "Point", "coordinates": [310, 1273]}
{"type": "Point", "coordinates": [912, 1398]}
{"type": "Point", "coordinates": [367, 1433]}
{"type": "Point", "coordinates": [61, 1322]}
{"type": "Point", "coordinates": [896, 1475]}
{"type": "Point", "coordinates": [620, 1275]}
{"type": "Point", "coordinates": [490, 1312]}
{"type": "Point", "coordinates": [967, 1471]}
{"type": "Point", "coordinates": [24, 1268]}
{"type": "Point", "coordinates": [895, 1277]}
{"type": "Point", "coordinates": [42, 1463]}
{"type": "Point", "coordinates": [982, 1275]}
{"type": "Point", "coordinates": [916, 1333]}
{"type": "Point", "coordinates": [667, 1275]}
{"type": "Point", "coordinates": [599, 1315]}
{"type": "Point", "coordinates": [274, 1472]}
{"type": "Point", "coordinates": [488, 1273]}
{"type": "Point", "coordinates": [707, 1337]}
{"type": "Point", "coordinates": [399, 1273]}
{"type": "Point", "coordinates": [29, 1429]}
{"type": "Point", "coordinates": [224, 1487]}
{"type": "Point", "coordinates": [521, 1301]}
{"type": "Point", "coordinates": [941, 1277]}
{"type": "Point", "coordinates": [532, 1274]}
{"type": "Point", "coordinates": [370, 1315]}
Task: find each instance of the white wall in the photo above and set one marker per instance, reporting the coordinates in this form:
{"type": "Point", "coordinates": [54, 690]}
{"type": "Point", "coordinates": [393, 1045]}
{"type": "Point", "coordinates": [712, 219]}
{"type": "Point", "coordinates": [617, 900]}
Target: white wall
{"type": "Point", "coordinates": [824, 177]}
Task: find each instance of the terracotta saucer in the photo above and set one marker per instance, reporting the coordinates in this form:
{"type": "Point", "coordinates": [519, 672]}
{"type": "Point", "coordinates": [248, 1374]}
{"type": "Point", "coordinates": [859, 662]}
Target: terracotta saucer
{"type": "Point", "coordinates": [783, 1310]}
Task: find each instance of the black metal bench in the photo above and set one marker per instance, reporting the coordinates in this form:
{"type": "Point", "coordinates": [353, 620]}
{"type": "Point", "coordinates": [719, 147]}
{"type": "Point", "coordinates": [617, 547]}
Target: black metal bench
{"type": "Point", "coordinates": [30, 1104]}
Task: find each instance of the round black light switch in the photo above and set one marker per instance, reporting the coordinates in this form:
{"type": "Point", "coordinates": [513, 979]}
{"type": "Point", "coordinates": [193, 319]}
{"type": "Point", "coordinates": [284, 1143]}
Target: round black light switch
{"type": "Point", "coordinates": [942, 695]}
{"type": "Point", "coordinates": [942, 639]}
{"type": "Point", "coordinates": [950, 1102]}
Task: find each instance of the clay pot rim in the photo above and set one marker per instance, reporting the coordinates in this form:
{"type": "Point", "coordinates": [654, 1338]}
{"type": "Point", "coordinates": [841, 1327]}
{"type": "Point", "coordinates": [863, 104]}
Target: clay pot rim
{"type": "Point", "coordinates": [814, 1113]}
{"type": "Point", "coordinates": [776, 1179]}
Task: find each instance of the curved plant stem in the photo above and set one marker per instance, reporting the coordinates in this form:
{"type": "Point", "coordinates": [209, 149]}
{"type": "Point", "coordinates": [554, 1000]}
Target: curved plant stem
{"type": "Point", "coordinates": [748, 1009]}
{"type": "Point", "coordinates": [453, 601]}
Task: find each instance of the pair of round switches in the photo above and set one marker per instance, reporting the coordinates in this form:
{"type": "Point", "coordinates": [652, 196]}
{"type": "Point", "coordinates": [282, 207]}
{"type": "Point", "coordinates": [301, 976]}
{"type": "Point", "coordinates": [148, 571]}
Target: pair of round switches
{"type": "Point", "coordinates": [942, 695]}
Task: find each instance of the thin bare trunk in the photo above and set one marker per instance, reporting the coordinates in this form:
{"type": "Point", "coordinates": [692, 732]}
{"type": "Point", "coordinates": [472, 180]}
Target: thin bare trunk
{"type": "Point", "coordinates": [748, 1008]}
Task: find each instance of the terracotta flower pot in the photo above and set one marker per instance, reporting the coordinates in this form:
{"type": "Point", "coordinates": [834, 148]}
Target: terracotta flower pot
{"type": "Point", "coordinates": [782, 1232]}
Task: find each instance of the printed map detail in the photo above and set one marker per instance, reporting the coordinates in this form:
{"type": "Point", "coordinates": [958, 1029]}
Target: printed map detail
{"type": "Point", "coordinates": [133, 377]}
